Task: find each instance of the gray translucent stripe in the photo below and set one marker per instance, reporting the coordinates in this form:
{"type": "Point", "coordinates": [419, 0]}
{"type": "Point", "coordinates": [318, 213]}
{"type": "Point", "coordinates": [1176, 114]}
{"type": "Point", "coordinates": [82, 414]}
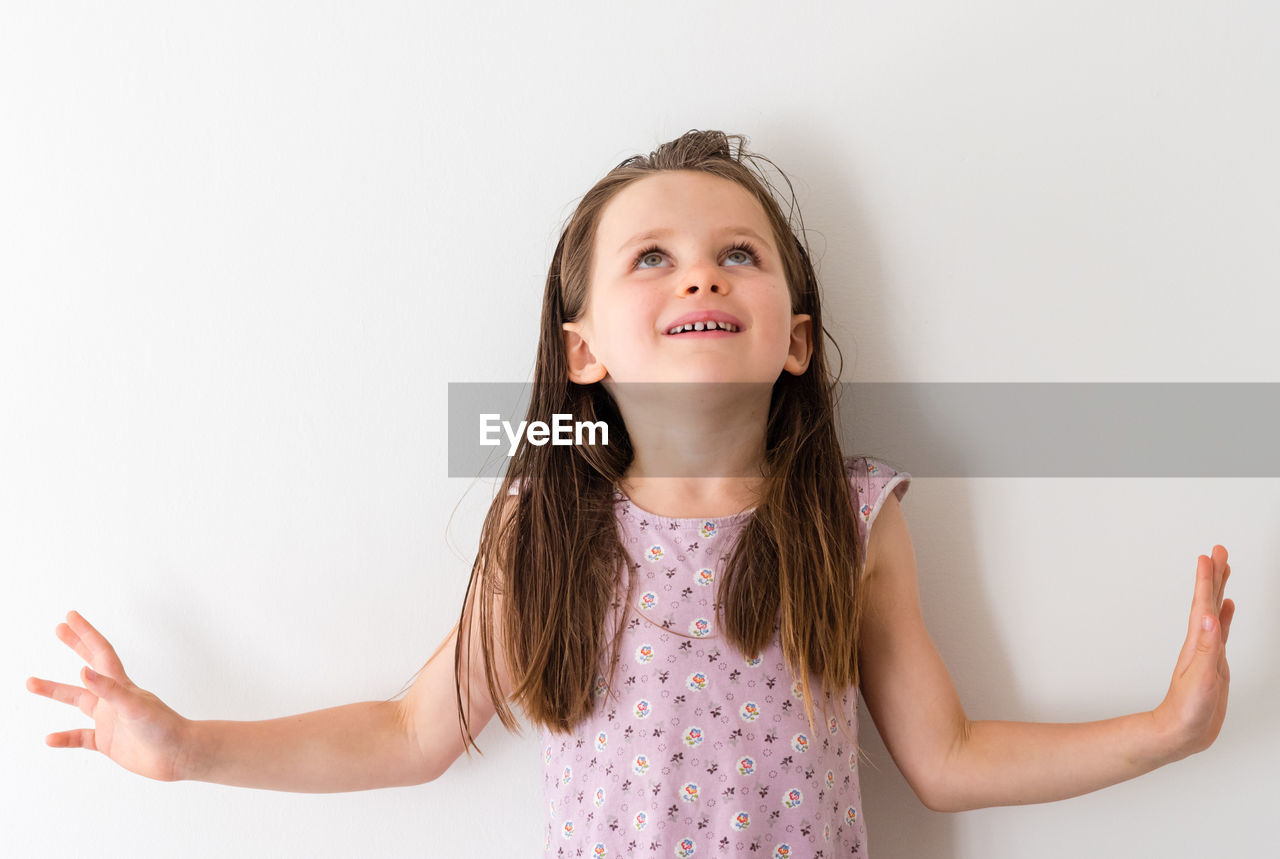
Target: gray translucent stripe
{"type": "Point", "coordinates": [979, 429]}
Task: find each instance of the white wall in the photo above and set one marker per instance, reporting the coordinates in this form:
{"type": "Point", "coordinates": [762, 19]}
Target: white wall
{"type": "Point", "coordinates": [245, 246]}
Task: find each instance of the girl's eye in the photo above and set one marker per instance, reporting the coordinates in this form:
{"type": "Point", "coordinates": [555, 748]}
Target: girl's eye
{"type": "Point", "coordinates": [745, 249]}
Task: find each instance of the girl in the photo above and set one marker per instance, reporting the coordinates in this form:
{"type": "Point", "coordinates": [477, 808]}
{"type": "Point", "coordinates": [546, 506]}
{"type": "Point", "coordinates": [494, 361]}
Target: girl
{"type": "Point", "coordinates": [686, 611]}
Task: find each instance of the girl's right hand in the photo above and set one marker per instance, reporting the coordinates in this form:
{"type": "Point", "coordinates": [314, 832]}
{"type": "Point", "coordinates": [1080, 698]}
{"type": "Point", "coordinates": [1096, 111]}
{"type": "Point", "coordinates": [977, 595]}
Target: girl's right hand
{"type": "Point", "coordinates": [131, 726]}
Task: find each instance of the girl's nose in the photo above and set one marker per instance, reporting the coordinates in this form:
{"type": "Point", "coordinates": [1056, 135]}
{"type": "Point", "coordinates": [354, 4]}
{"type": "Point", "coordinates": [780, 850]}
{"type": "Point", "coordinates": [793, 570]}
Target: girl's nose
{"type": "Point", "coordinates": [704, 278]}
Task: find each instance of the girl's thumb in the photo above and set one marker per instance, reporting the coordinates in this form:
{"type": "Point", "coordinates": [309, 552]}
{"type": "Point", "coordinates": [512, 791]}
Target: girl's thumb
{"type": "Point", "coordinates": [1208, 634]}
{"type": "Point", "coordinates": [100, 685]}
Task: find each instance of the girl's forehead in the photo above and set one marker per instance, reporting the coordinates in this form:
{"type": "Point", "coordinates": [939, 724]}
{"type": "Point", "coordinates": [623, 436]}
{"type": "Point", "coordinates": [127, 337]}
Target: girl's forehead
{"type": "Point", "coordinates": [681, 200]}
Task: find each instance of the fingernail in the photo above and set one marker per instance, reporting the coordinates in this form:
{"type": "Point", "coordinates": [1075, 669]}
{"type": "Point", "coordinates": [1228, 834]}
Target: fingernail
{"type": "Point", "coordinates": [1207, 623]}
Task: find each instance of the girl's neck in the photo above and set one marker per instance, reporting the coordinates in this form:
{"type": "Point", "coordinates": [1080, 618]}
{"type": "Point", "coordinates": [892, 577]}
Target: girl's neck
{"type": "Point", "coordinates": [702, 458]}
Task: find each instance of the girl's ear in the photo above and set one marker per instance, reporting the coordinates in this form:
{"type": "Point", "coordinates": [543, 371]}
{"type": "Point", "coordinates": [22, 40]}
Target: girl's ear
{"type": "Point", "coordinates": [801, 344]}
{"type": "Point", "coordinates": [583, 366]}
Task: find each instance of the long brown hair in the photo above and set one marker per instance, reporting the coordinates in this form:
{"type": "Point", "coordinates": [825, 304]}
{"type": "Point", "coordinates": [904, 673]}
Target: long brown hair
{"type": "Point", "coordinates": [556, 556]}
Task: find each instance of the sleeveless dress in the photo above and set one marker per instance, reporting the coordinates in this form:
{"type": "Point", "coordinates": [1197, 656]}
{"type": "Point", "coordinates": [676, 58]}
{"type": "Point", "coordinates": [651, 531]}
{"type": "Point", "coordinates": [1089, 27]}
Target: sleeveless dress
{"type": "Point", "coordinates": [700, 751]}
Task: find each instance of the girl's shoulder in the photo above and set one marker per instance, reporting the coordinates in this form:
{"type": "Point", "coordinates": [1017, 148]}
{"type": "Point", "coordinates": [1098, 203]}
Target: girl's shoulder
{"type": "Point", "coordinates": [871, 479]}
{"type": "Point", "coordinates": [872, 467]}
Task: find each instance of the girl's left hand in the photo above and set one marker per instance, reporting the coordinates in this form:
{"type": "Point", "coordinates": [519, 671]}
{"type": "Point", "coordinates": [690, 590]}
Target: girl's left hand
{"type": "Point", "coordinates": [1191, 714]}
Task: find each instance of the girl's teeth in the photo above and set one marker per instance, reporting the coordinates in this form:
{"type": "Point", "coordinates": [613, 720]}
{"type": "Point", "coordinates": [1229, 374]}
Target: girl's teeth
{"type": "Point", "coordinates": [704, 326]}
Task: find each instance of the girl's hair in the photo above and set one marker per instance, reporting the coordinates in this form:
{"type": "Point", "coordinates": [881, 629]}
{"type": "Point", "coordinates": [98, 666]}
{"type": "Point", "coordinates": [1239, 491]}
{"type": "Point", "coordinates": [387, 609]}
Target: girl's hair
{"type": "Point", "coordinates": [553, 552]}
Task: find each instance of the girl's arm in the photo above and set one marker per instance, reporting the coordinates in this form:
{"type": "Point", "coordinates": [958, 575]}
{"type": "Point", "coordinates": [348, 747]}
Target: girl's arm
{"type": "Point", "coordinates": [359, 746]}
{"type": "Point", "coordinates": [353, 747]}
{"type": "Point", "coordinates": [362, 746]}
{"type": "Point", "coordinates": [954, 764]}
{"type": "Point", "coordinates": [371, 744]}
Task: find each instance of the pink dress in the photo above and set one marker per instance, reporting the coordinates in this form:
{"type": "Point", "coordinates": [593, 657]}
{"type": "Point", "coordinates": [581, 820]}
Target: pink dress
{"type": "Point", "coordinates": [700, 751]}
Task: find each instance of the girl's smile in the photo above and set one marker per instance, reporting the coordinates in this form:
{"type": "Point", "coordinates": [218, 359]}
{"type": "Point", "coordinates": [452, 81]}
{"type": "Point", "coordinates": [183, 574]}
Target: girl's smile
{"type": "Point", "coordinates": [690, 331]}
{"type": "Point", "coordinates": [704, 323]}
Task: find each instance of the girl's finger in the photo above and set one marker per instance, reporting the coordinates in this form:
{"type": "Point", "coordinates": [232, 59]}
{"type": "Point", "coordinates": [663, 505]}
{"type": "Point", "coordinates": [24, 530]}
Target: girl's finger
{"type": "Point", "coordinates": [1228, 612]}
{"type": "Point", "coordinates": [101, 685]}
{"type": "Point", "coordinates": [1200, 599]}
{"type": "Point", "coordinates": [79, 739]}
{"type": "Point", "coordinates": [1215, 599]}
{"type": "Point", "coordinates": [1219, 573]}
{"type": "Point", "coordinates": [1207, 641]}
{"type": "Point", "coordinates": [68, 637]}
{"type": "Point", "coordinates": [104, 655]}
{"type": "Point", "coordinates": [1219, 556]}
{"type": "Point", "coordinates": [64, 692]}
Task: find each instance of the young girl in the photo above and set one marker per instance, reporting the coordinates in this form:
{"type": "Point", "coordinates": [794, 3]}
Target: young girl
{"type": "Point", "coordinates": [688, 611]}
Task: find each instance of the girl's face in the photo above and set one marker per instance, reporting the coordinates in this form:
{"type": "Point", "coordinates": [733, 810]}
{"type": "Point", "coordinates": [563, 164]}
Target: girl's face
{"type": "Point", "coordinates": [665, 251]}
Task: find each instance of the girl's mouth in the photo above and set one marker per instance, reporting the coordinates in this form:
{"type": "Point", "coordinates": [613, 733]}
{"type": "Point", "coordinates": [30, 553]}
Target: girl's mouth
{"type": "Point", "coordinates": [703, 329]}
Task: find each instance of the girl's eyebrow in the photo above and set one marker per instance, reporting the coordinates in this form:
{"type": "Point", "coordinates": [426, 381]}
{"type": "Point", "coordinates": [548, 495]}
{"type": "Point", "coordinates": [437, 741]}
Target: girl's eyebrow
{"type": "Point", "coordinates": [667, 231]}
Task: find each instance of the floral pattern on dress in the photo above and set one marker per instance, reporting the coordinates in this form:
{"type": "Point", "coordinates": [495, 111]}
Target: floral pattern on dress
{"type": "Point", "coordinates": [700, 751]}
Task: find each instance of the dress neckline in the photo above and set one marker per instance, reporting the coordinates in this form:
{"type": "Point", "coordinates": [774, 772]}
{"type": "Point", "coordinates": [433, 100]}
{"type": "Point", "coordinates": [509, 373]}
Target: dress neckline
{"type": "Point", "coordinates": [683, 521]}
